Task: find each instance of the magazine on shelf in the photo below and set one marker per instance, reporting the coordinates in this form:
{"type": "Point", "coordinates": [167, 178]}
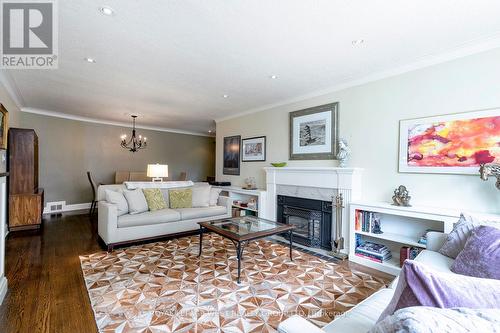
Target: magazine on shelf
{"type": "Point", "coordinates": [369, 258]}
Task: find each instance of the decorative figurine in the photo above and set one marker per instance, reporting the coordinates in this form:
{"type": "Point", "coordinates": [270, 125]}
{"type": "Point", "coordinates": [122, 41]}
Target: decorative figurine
{"type": "Point", "coordinates": [490, 169]}
{"type": "Point", "coordinates": [376, 227]}
{"type": "Point", "coordinates": [250, 183]}
{"type": "Point", "coordinates": [401, 197]}
{"type": "Point", "coordinates": [344, 153]}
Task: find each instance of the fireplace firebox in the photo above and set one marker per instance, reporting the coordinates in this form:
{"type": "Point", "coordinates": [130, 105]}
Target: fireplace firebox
{"type": "Point", "coordinates": [312, 220]}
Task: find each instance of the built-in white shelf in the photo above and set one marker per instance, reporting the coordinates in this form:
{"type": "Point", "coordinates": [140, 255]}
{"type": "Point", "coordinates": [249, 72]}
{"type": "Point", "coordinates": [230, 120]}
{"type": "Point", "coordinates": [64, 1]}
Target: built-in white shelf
{"type": "Point", "coordinates": [246, 208]}
{"type": "Point", "coordinates": [402, 239]}
{"type": "Point", "coordinates": [238, 193]}
{"type": "Point", "coordinates": [401, 226]}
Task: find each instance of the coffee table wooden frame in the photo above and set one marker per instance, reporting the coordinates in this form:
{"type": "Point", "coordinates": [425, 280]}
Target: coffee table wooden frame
{"type": "Point", "coordinates": [240, 241]}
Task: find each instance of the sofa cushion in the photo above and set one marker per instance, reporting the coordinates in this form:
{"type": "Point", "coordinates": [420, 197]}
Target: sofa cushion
{"type": "Point", "coordinates": [456, 239]}
{"type": "Point", "coordinates": [154, 198]}
{"type": "Point", "coordinates": [420, 319]}
{"type": "Point", "coordinates": [196, 213]}
{"type": "Point", "coordinates": [481, 255]}
{"type": "Point", "coordinates": [136, 201]}
{"type": "Point", "coordinates": [148, 218]}
{"type": "Point", "coordinates": [181, 198]}
{"type": "Point", "coordinates": [117, 198]}
{"type": "Point", "coordinates": [201, 195]}
{"type": "Point", "coordinates": [214, 196]}
{"type": "Point", "coordinates": [364, 316]}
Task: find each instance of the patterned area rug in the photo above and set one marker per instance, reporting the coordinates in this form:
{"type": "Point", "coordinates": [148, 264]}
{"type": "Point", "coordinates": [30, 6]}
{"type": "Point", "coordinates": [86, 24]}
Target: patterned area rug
{"type": "Point", "coordinates": [165, 287]}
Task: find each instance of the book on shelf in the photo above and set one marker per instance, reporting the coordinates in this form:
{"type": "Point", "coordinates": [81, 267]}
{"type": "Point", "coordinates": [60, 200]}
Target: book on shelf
{"type": "Point", "coordinates": [363, 220]}
{"type": "Point", "coordinates": [374, 251]}
{"type": "Point", "coordinates": [385, 255]}
{"type": "Point", "coordinates": [408, 252]}
{"type": "Point", "coordinates": [369, 258]}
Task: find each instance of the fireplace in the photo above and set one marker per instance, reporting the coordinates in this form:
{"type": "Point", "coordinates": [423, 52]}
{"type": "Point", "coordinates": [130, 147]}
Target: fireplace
{"type": "Point", "coordinates": [312, 220]}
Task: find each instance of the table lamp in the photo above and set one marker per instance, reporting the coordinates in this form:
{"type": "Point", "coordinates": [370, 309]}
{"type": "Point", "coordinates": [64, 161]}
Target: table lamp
{"type": "Point", "coordinates": [157, 172]}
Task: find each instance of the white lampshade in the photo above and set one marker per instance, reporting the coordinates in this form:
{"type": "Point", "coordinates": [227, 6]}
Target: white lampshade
{"type": "Point", "coordinates": [157, 170]}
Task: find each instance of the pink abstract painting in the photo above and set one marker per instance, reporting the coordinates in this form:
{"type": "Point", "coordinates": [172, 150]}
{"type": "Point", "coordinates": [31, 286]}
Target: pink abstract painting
{"type": "Point", "coordinates": [454, 143]}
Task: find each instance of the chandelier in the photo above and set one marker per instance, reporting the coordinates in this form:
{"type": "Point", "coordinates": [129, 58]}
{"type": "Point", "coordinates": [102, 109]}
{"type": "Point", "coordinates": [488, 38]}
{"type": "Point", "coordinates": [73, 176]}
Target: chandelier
{"type": "Point", "coordinates": [134, 144]}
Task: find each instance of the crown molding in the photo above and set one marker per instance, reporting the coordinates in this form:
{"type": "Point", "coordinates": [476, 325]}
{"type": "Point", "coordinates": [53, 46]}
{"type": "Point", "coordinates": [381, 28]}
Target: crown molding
{"type": "Point", "coordinates": [466, 49]}
{"type": "Point", "coordinates": [107, 122]}
{"type": "Point", "coordinates": [11, 87]}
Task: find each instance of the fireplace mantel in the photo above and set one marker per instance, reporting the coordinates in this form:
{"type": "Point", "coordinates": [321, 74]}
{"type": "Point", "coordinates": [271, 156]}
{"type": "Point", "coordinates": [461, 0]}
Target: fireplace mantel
{"type": "Point", "coordinates": [321, 183]}
{"type": "Point", "coordinates": [322, 177]}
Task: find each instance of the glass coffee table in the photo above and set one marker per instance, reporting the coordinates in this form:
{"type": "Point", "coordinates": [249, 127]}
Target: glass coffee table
{"type": "Point", "coordinates": [241, 230]}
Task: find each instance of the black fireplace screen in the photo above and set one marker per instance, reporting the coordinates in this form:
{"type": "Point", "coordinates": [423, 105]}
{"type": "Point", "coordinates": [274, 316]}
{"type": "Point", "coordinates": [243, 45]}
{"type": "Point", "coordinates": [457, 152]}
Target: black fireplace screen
{"type": "Point", "coordinates": [312, 220]}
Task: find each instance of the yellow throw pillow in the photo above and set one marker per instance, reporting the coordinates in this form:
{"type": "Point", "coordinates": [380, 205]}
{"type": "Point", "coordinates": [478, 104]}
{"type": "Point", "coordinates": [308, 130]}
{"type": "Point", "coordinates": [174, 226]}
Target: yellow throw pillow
{"type": "Point", "coordinates": [181, 198]}
{"type": "Point", "coordinates": [154, 198]}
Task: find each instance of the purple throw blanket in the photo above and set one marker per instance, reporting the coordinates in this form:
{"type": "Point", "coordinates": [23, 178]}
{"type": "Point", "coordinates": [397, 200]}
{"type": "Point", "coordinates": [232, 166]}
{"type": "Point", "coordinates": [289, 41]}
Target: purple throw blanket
{"type": "Point", "coordinates": [419, 285]}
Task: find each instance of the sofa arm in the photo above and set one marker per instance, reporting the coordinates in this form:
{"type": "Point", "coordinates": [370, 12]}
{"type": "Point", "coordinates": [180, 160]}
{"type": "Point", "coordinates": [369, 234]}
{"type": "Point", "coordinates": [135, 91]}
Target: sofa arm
{"type": "Point", "coordinates": [107, 221]}
{"type": "Point", "coordinates": [297, 324]}
{"type": "Point", "coordinates": [435, 240]}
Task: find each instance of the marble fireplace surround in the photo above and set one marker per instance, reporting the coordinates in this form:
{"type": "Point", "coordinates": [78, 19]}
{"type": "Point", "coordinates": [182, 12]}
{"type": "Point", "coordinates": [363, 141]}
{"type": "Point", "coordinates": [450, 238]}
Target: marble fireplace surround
{"type": "Point", "coordinates": [319, 183]}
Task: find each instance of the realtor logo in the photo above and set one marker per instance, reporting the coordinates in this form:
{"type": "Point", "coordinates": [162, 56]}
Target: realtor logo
{"type": "Point", "coordinates": [29, 34]}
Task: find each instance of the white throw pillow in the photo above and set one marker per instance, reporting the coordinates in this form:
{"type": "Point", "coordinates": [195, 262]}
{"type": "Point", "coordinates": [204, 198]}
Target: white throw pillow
{"type": "Point", "coordinates": [117, 198]}
{"type": "Point", "coordinates": [214, 196]}
{"type": "Point", "coordinates": [201, 195]}
{"type": "Point", "coordinates": [136, 201]}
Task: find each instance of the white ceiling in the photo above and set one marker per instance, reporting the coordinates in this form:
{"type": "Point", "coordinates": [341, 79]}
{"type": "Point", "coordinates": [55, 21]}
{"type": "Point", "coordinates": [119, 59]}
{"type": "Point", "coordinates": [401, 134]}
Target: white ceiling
{"type": "Point", "coordinates": [171, 61]}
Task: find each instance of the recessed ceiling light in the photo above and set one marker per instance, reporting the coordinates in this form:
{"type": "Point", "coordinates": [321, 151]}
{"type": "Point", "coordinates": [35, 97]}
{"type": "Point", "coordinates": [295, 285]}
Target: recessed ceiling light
{"type": "Point", "coordinates": [358, 42]}
{"type": "Point", "coordinates": [225, 96]}
{"type": "Point", "coordinates": [273, 77]}
{"type": "Point", "coordinates": [209, 131]}
{"type": "Point", "coordinates": [90, 60]}
{"type": "Point", "coordinates": [108, 11]}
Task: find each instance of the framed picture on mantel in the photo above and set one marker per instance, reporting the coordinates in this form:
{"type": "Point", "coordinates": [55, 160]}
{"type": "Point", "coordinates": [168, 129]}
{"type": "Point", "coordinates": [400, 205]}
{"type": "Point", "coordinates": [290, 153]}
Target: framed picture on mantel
{"type": "Point", "coordinates": [231, 163]}
{"type": "Point", "coordinates": [314, 133]}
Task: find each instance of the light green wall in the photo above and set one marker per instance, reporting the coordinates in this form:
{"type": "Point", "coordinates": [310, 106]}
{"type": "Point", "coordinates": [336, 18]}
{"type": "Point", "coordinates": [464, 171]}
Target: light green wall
{"type": "Point", "coordinates": [369, 120]}
{"type": "Point", "coordinates": [69, 148]}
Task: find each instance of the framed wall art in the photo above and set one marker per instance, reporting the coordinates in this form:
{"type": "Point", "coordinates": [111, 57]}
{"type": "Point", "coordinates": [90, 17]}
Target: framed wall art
{"type": "Point", "coordinates": [454, 144]}
{"type": "Point", "coordinates": [231, 163]}
{"type": "Point", "coordinates": [314, 133]}
{"type": "Point", "coordinates": [4, 126]}
{"type": "Point", "coordinates": [253, 149]}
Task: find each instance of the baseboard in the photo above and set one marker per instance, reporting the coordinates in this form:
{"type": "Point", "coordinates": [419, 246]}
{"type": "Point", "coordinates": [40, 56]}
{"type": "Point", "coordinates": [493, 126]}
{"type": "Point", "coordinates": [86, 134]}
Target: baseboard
{"type": "Point", "coordinates": [68, 208]}
{"type": "Point", "coordinates": [3, 288]}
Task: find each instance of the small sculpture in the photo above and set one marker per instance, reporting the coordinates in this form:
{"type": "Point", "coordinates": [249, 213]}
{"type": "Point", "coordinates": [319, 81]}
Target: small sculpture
{"type": "Point", "coordinates": [376, 226]}
{"type": "Point", "coordinates": [250, 183]}
{"type": "Point", "coordinates": [491, 169]}
{"type": "Point", "coordinates": [344, 153]}
{"type": "Point", "coordinates": [401, 197]}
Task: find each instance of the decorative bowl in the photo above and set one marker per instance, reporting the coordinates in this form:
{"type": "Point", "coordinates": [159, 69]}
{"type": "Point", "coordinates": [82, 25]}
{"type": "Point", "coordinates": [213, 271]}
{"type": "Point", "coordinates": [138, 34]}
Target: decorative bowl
{"type": "Point", "coordinates": [279, 165]}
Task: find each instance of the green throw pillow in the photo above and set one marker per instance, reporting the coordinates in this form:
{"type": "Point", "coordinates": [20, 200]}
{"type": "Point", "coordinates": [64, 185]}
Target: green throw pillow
{"type": "Point", "coordinates": [154, 198]}
{"type": "Point", "coordinates": [181, 198]}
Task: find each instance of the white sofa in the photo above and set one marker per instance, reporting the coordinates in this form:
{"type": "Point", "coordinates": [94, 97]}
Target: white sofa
{"type": "Point", "coordinates": [363, 316]}
{"type": "Point", "coordinates": [115, 230]}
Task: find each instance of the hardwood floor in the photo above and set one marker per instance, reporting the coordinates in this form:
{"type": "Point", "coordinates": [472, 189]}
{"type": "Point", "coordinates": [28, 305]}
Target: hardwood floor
{"type": "Point", "coordinates": [46, 287]}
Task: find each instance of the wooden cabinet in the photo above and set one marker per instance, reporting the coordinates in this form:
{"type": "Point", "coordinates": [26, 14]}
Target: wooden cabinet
{"type": "Point", "coordinates": [25, 210]}
{"type": "Point", "coordinates": [25, 198]}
